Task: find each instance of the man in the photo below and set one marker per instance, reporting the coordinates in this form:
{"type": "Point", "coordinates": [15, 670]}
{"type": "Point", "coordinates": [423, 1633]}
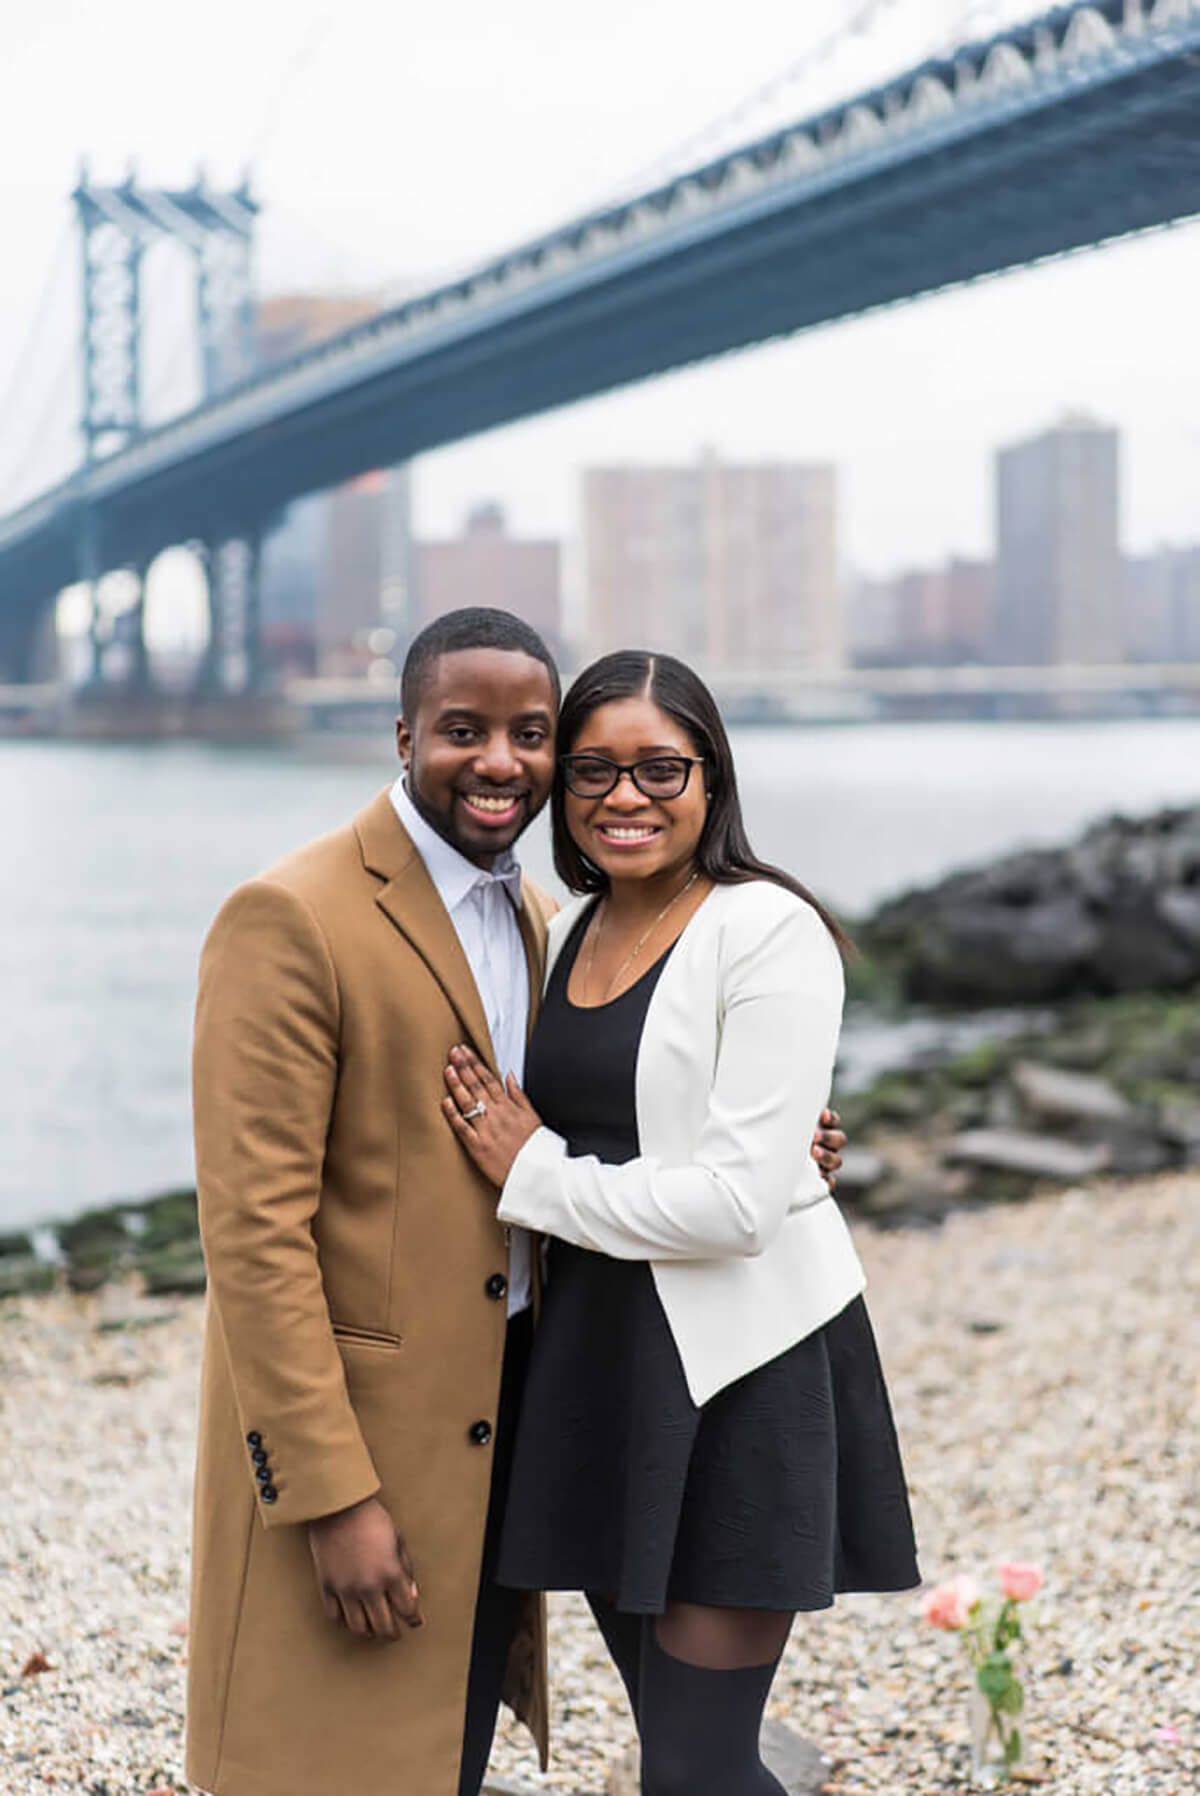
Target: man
{"type": "Point", "coordinates": [368, 1318]}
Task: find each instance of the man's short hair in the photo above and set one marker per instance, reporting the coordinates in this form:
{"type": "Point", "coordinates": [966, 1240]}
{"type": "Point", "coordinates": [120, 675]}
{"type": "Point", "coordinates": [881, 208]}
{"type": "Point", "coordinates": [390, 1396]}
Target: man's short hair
{"type": "Point", "coordinates": [473, 627]}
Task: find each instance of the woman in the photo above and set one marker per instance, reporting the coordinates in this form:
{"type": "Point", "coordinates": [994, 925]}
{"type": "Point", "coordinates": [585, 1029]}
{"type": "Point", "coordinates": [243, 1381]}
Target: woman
{"type": "Point", "coordinates": [705, 1445]}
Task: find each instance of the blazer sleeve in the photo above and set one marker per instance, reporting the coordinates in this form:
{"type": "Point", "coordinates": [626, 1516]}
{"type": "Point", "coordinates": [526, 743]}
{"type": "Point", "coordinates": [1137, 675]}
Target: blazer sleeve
{"type": "Point", "coordinates": [780, 999]}
{"type": "Point", "coordinates": [264, 1071]}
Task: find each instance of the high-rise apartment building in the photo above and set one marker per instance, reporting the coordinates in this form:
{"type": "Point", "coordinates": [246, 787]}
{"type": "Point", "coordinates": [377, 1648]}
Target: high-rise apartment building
{"type": "Point", "coordinates": [487, 566]}
{"type": "Point", "coordinates": [733, 567]}
{"type": "Point", "coordinates": [1058, 564]}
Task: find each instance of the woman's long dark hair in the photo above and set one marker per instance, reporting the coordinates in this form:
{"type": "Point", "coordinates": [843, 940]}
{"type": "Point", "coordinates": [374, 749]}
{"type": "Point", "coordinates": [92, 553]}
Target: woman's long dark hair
{"type": "Point", "coordinates": [724, 853]}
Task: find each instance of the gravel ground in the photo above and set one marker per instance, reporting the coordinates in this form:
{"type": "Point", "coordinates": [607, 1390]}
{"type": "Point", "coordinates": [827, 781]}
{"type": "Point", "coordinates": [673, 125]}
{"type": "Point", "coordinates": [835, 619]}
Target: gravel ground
{"type": "Point", "coordinates": [1042, 1360]}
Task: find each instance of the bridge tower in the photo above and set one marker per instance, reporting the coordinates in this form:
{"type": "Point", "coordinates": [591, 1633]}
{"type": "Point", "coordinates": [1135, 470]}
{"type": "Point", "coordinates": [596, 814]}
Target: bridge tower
{"type": "Point", "coordinates": [117, 226]}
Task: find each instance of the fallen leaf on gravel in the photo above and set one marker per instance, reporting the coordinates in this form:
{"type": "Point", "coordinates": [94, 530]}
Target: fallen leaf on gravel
{"type": "Point", "coordinates": [34, 1663]}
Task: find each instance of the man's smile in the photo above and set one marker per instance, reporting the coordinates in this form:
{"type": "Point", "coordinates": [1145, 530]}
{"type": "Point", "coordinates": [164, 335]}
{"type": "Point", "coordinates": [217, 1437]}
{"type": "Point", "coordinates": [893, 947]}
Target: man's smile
{"type": "Point", "coordinates": [493, 807]}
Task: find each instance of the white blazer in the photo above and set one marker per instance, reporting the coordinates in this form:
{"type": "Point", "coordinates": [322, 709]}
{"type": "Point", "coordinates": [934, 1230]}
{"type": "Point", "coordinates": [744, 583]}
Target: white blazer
{"type": "Point", "coordinates": [749, 1251]}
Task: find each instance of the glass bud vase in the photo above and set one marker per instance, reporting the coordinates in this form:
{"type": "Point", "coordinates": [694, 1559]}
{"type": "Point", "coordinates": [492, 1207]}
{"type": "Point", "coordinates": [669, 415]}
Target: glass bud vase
{"type": "Point", "coordinates": [997, 1742]}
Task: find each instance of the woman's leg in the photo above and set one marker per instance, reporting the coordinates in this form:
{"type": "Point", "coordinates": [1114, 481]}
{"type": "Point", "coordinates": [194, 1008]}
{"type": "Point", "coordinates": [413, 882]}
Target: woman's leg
{"type": "Point", "coordinates": [705, 1676]}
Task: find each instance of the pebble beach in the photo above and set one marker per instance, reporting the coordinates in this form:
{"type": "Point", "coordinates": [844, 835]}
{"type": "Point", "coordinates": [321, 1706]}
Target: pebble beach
{"type": "Point", "coordinates": [1042, 1359]}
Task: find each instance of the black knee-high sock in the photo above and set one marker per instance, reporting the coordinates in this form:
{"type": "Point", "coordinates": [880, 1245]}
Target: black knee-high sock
{"type": "Point", "coordinates": [623, 1638]}
{"type": "Point", "coordinates": [700, 1728]}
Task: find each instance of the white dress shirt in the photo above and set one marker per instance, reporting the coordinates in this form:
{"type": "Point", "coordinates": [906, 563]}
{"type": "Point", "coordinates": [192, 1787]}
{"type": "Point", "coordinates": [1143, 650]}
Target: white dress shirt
{"type": "Point", "coordinates": [483, 905]}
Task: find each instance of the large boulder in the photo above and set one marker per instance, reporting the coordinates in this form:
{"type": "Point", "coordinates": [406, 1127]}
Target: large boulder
{"type": "Point", "coordinates": [1117, 911]}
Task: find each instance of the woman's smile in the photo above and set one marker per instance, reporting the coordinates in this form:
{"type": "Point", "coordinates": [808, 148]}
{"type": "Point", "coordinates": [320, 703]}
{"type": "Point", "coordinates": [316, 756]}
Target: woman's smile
{"type": "Point", "coordinates": [628, 835]}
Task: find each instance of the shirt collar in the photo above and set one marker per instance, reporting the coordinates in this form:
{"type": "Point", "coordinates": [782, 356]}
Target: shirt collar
{"type": "Point", "coordinates": [451, 872]}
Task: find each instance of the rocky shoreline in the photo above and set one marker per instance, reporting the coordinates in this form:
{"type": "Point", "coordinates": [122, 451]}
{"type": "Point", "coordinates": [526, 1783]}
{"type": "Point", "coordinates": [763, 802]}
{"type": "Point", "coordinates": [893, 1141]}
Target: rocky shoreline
{"type": "Point", "coordinates": [154, 1241]}
{"type": "Point", "coordinates": [1100, 1086]}
{"type": "Point", "coordinates": [1103, 1086]}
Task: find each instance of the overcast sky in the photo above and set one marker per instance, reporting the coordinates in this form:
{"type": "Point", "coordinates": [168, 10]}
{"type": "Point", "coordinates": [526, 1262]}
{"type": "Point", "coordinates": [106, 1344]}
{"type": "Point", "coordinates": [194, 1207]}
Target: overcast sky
{"type": "Point", "coordinates": [391, 143]}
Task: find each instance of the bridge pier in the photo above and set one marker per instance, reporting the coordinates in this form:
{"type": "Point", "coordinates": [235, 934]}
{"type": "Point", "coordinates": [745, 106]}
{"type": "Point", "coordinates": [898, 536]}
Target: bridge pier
{"type": "Point", "coordinates": [233, 660]}
{"type": "Point", "coordinates": [123, 630]}
{"type": "Point", "coordinates": [130, 631]}
{"type": "Point", "coordinates": [28, 646]}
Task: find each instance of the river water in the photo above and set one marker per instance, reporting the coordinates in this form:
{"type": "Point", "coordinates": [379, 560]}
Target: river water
{"type": "Point", "coordinates": [114, 858]}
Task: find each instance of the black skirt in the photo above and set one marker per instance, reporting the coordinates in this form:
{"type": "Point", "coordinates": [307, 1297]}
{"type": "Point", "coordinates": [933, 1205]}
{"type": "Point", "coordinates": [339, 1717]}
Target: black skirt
{"type": "Point", "coordinates": [785, 1488]}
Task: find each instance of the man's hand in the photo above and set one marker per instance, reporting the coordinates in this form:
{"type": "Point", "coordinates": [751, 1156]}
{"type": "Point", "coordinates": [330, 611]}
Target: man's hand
{"type": "Point", "coordinates": [827, 1146]}
{"type": "Point", "coordinates": [364, 1572]}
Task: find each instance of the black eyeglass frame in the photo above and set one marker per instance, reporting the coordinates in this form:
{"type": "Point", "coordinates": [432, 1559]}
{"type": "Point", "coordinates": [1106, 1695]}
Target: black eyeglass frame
{"type": "Point", "coordinates": [631, 768]}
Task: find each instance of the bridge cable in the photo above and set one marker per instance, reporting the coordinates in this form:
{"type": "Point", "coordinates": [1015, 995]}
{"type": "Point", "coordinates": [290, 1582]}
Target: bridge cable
{"type": "Point", "coordinates": [24, 362]}
{"type": "Point", "coordinates": [20, 463]}
{"type": "Point", "coordinates": [688, 150]}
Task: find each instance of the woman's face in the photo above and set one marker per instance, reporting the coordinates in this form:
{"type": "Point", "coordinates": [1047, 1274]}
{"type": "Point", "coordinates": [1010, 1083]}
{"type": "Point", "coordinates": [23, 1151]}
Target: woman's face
{"type": "Point", "coordinates": [627, 834]}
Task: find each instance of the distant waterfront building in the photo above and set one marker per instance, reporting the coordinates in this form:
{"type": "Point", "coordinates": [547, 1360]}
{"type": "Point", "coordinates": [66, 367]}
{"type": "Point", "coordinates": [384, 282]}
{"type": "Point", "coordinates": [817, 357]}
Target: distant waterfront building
{"type": "Point", "coordinates": [1162, 606]}
{"type": "Point", "coordinates": [872, 621]}
{"type": "Point", "coordinates": [734, 567]}
{"type": "Point", "coordinates": [337, 570]}
{"type": "Point", "coordinates": [926, 617]}
{"type": "Point", "coordinates": [487, 566]}
{"type": "Point", "coordinates": [1058, 565]}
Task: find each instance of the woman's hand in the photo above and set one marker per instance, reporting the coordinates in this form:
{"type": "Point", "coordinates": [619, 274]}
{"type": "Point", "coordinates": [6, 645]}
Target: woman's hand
{"type": "Point", "coordinates": [827, 1146]}
{"type": "Point", "coordinates": [492, 1121]}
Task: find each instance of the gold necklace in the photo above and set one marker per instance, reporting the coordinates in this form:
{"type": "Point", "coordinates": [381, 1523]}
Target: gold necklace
{"type": "Point", "coordinates": [638, 945]}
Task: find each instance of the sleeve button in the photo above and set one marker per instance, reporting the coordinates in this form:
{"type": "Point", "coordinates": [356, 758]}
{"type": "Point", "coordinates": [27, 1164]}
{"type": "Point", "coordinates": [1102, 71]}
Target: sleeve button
{"type": "Point", "coordinates": [254, 1439]}
{"type": "Point", "coordinates": [268, 1493]}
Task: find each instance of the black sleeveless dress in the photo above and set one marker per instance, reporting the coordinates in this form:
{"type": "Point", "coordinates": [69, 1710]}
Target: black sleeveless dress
{"type": "Point", "coordinates": [785, 1488]}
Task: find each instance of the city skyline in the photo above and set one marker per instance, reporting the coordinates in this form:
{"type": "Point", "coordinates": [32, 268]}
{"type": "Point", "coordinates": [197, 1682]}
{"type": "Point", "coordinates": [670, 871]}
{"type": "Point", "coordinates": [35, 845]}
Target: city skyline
{"type": "Point", "coordinates": [881, 618]}
{"type": "Point", "coordinates": [734, 566]}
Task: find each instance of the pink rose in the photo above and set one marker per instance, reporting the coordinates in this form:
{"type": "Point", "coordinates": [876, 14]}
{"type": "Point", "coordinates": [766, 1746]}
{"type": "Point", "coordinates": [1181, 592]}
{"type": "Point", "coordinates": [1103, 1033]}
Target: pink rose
{"type": "Point", "coordinates": [1019, 1580]}
{"type": "Point", "coordinates": [949, 1605]}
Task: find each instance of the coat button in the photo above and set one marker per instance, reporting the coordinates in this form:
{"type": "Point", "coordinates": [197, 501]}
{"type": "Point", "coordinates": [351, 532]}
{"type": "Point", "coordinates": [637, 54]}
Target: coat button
{"type": "Point", "coordinates": [259, 1456]}
{"type": "Point", "coordinates": [263, 1474]}
{"type": "Point", "coordinates": [497, 1286]}
{"type": "Point", "coordinates": [268, 1493]}
{"type": "Point", "coordinates": [254, 1439]}
{"type": "Point", "coordinates": [481, 1433]}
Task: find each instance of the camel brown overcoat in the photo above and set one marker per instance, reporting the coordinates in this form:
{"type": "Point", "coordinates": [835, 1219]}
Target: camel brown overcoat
{"type": "Point", "coordinates": [352, 1343]}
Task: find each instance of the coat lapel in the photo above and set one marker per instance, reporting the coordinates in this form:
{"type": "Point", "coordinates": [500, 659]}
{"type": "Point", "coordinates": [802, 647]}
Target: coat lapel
{"type": "Point", "coordinates": [409, 898]}
{"type": "Point", "coordinates": [533, 934]}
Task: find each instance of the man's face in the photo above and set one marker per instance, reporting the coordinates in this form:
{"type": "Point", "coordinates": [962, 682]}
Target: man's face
{"type": "Point", "coordinates": [479, 754]}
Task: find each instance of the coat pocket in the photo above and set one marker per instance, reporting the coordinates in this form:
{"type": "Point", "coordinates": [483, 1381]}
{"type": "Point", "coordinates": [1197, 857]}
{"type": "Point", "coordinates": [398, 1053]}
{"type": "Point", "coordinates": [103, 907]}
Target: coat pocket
{"type": "Point", "coordinates": [366, 1337]}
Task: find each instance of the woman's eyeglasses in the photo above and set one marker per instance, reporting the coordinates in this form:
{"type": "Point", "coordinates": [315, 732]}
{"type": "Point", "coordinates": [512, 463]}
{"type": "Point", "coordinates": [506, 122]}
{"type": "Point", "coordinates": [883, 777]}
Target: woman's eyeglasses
{"type": "Point", "coordinates": [658, 776]}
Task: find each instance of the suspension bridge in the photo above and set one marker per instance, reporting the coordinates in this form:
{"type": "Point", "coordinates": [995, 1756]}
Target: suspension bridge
{"type": "Point", "coordinates": [1080, 125]}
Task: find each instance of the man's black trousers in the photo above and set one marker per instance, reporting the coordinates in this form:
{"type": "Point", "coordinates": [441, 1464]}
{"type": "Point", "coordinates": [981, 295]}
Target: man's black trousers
{"type": "Point", "coordinates": [496, 1609]}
